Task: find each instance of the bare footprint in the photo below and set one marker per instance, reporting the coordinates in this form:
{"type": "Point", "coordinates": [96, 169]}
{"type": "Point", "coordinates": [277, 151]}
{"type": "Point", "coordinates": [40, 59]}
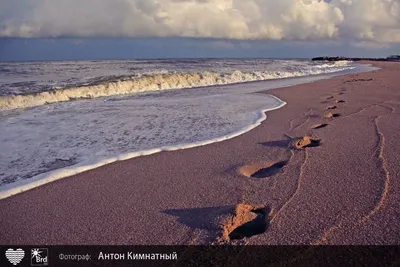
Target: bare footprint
{"type": "Point", "coordinates": [263, 170]}
{"type": "Point", "coordinates": [246, 221]}
{"type": "Point", "coordinates": [319, 126]}
{"type": "Point", "coordinates": [331, 115]}
{"type": "Point", "coordinates": [307, 141]}
{"type": "Point", "coordinates": [359, 80]}
{"type": "Point", "coordinates": [331, 107]}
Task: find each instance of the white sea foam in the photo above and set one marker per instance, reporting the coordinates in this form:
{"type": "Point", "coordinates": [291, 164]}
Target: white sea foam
{"type": "Point", "coordinates": [50, 142]}
{"type": "Point", "coordinates": [41, 179]}
{"type": "Point", "coordinates": [159, 80]}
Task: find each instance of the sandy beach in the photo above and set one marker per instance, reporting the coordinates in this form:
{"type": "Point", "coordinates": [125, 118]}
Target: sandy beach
{"type": "Point", "coordinates": [267, 186]}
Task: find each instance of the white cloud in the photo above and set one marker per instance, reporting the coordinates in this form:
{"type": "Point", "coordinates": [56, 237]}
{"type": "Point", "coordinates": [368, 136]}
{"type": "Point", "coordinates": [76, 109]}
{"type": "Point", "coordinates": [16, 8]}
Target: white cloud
{"type": "Point", "coordinates": [353, 20]}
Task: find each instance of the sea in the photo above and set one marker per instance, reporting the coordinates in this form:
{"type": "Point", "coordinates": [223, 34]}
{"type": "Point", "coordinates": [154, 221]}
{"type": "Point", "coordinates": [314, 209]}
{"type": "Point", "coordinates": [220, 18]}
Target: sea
{"type": "Point", "coordinates": [60, 118]}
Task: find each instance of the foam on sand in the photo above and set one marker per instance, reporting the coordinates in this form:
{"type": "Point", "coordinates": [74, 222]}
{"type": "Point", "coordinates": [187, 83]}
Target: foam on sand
{"type": "Point", "coordinates": [41, 179]}
{"type": "Point", "coordinates": [50, 142]}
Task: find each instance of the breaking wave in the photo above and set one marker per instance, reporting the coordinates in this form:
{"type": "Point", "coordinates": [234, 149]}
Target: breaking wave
{"type": "Point", "coordinates": [154, 82]}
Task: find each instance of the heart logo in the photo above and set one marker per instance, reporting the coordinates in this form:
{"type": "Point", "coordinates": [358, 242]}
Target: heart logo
{"type": "Point", "coordinates": [15, 256]}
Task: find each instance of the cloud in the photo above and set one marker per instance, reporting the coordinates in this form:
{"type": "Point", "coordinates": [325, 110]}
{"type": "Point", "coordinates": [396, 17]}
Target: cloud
{"type": "Point", "coordinates": [352, 20]}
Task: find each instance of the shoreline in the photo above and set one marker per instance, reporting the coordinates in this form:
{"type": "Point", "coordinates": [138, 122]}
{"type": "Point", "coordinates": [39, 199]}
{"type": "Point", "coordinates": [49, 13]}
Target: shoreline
{"type": "Point", "coordinates": [176, 197]}
{"type": "Point", "coordinates": [48, 177]}
{"type": "Point", "coordinates": [54, 175]}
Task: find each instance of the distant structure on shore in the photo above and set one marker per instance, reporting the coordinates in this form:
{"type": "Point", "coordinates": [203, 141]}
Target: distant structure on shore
{"type": "Point", "coordinates": [389, 58]}
{"type": "Point", "coordinates": [394, 57]}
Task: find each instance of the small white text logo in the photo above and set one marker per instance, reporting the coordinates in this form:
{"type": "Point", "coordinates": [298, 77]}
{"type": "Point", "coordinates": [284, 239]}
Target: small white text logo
{"type": "Point", "coordinates": [39, 257]}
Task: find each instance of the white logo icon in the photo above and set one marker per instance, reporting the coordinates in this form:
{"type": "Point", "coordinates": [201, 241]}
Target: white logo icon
{"type": "Point", "coordinates": [15, 256]}
{"type": "Point", "coordinates": [39, 256]}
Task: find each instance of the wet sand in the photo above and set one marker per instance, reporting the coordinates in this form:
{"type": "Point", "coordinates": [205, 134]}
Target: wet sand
{"type": "Point", "coordinates": [342, 186]}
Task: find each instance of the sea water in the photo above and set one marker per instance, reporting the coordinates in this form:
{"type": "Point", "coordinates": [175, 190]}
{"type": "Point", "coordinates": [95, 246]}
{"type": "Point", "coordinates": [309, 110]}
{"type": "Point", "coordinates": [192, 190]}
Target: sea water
{"type": "Point", "coordinates": [61, 118]}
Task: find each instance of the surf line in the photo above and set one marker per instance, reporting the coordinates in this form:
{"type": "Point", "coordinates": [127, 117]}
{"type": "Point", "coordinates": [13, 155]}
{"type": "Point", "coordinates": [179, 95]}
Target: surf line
{"type": "Point", "coordinates": [48, 177]}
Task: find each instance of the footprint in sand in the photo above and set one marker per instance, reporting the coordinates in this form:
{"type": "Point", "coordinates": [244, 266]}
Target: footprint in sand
{"type": "Point", "coordinates": [340, 101]}
{"type": "Point", "coordinates": [359, 80]}
{"type": "Point", "coordinates": [331, 107]}
{"type": "Point", "coordinates": [306, 141]}
{"type": "Point", "coordinates": [246, 221]}
{"type": "Point", "coordinates": [319, 126]}
{"type": "Point", "coordinates": [329, 97]}
{"type": "Point", "coordinates": [331, 115]}
{"type": "Point", "coordinates": [263, 170]}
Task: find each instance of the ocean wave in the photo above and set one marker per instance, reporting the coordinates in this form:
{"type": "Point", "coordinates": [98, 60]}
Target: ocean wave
{"type": "Point", "coordinates": [154, 82]}
{"type": "Point", "coordinates": [52, 142]}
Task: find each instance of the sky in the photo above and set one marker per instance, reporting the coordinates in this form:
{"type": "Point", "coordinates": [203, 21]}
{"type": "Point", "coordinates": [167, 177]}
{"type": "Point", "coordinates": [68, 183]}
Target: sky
{"type": "Point", "coordinates": [109, 29]}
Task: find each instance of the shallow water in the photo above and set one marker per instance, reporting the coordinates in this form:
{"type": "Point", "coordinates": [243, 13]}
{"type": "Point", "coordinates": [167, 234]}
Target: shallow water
{"type": "Point", "coordinates": [48, 142]}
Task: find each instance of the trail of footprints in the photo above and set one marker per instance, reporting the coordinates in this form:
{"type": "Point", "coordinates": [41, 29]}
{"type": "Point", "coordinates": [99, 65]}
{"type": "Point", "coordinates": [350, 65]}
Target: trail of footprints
{"type": "Point", "coordinates": [250, 220]}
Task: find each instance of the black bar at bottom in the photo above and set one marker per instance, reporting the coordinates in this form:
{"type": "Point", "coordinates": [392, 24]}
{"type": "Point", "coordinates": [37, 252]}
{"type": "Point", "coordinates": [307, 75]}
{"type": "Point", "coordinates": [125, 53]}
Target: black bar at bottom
{"type": "Point", "coordinates": [200, 256]}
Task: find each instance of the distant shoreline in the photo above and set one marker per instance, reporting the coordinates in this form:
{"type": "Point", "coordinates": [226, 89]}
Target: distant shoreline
{"type": "Point", "coordinates": [394, 59]}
